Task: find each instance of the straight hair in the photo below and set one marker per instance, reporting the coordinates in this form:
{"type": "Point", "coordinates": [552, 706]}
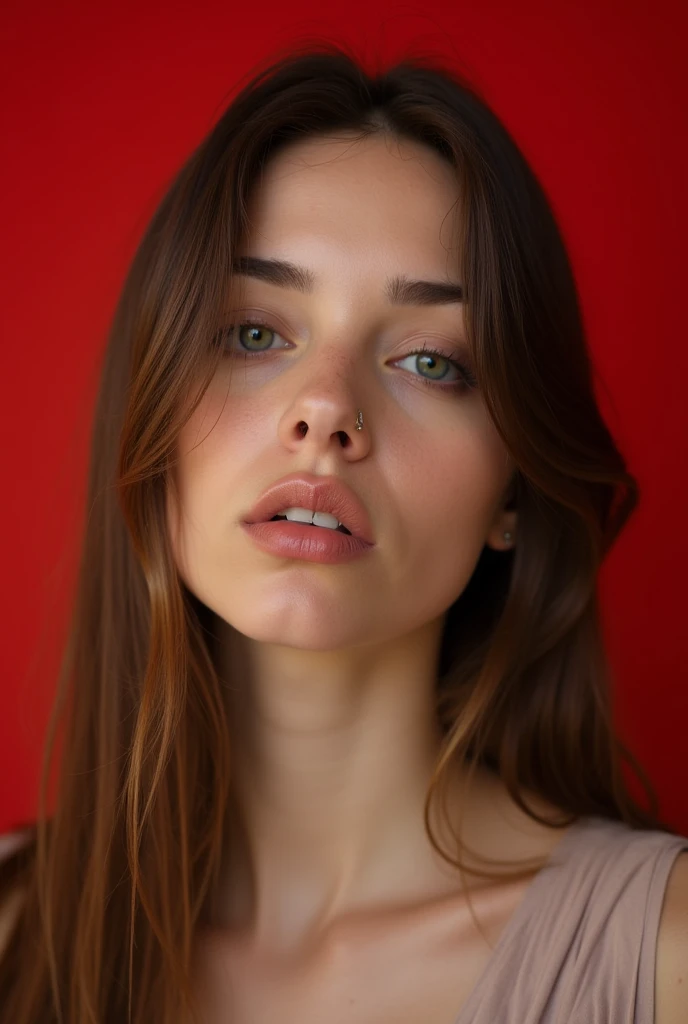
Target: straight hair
{"type": "Point", "coordinates": [116, 879]}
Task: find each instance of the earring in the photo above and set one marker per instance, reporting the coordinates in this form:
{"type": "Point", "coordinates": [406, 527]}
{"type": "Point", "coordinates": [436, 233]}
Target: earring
{"type": "Point", "coordinates": [507, 536]}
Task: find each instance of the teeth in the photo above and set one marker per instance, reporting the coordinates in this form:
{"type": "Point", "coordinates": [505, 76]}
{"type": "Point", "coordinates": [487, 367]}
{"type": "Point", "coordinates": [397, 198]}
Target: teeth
{"type": "Point", "coordinates": [306, 515]}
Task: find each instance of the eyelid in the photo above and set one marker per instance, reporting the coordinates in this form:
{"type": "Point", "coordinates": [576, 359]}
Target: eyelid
{"type": "Point", "coordinates": [258, 317]}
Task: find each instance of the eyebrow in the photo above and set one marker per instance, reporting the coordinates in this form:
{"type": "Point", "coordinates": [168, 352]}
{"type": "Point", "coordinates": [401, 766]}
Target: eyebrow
{"type": "Point", "coordinates": [400, 291]}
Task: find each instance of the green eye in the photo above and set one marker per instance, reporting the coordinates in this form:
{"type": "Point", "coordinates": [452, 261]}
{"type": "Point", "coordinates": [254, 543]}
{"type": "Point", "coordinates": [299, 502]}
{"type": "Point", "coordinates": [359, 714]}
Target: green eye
{"type": "Point", "coordinates": [250, 335]}
{"type": "Point", "coordinates": [434, 362]}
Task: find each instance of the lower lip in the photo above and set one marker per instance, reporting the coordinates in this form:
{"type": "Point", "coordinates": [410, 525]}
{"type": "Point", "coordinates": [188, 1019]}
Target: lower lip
{"type": "Point", "coordinates": [310, 543]}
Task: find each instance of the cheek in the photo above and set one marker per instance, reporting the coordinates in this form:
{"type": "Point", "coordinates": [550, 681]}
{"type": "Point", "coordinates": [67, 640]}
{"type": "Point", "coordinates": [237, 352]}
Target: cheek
{"type": "Point", "coordinates": [217, 453]}
{"type": "Point", "coordinates": [447, 495]}
{"type": "Point", "coordinates": [454, 490]}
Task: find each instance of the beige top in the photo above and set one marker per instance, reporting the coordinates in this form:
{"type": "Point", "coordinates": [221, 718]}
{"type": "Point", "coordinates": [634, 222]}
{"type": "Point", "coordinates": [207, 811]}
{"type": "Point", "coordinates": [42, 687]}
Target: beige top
{"type": "Point", "coordinates": [580, 947]}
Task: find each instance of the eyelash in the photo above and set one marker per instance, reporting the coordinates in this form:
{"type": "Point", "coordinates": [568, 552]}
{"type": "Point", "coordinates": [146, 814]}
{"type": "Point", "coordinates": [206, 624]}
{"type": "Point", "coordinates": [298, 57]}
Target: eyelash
{"type": "Point", "coordinates": [468, 381]}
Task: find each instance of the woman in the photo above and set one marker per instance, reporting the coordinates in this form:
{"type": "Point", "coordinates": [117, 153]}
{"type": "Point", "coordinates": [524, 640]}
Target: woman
{"type": "Point", "coordinates": [342, 749]}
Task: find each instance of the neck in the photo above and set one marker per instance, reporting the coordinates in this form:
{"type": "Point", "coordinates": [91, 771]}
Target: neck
{"type": "Point", "coordinates": [332, 758]}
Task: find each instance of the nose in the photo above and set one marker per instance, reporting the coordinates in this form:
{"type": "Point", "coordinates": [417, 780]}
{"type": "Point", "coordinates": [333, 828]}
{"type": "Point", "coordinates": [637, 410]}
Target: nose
{"type": "Point", "coordinates": [327, 410]}
{"type": "Point", "coordinates": [325, 423]}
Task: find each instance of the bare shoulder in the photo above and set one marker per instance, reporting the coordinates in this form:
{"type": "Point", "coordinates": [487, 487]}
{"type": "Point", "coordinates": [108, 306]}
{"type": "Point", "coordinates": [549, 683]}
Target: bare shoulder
{"type": "Point", "coordinates": [671, 968]}
{"type": "Point", "coordinates": [11, 905]}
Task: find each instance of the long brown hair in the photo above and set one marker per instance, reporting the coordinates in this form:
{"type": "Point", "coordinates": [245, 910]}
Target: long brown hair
{"type": "Point", "coordinates": [116, 878]}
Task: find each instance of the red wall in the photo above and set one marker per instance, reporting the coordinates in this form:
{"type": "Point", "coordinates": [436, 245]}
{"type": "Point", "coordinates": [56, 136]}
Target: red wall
{"type": "Point", "coordinates": [103, 106]}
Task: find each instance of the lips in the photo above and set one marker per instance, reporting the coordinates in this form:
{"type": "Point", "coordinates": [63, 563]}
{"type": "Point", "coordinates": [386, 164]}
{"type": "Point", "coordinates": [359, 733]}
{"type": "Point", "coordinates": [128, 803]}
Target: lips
{"type": "Point", "coordinates": [319, 493]}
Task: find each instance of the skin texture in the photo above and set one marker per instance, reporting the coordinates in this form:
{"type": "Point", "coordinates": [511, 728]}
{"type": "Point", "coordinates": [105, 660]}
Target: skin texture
{"type": "Point", "coordinates": [331, 668]}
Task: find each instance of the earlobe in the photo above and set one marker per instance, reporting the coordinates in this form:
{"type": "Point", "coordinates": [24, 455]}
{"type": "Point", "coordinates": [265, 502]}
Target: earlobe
{"type": "Point", "coordinates": [503, 535]}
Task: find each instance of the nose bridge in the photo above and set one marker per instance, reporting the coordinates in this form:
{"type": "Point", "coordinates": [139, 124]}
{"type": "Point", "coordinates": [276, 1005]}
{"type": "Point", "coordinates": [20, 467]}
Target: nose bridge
{"type": "Point", "coordinates": [341, 328]}
{"type": "Point", "coordinates": [339, 352]}
{"type": "Point", "coordinates": [333, 365]}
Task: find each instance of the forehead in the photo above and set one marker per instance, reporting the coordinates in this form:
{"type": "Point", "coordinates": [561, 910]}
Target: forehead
{"type": "Point", "coordinates": [378, 194]}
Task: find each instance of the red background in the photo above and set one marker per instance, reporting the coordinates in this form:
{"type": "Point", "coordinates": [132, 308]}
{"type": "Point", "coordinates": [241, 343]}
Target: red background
{"type": "Point", "coordinates": [102, 103]}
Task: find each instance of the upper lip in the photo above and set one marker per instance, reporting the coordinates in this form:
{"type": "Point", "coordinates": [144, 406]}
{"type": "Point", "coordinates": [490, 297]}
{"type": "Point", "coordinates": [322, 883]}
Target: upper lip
{"type": "Point", "coordinates": [319, 493]}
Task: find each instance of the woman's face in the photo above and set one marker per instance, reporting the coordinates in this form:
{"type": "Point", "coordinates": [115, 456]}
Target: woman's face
{"type": "Point", "coordinates": [428, 465]}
